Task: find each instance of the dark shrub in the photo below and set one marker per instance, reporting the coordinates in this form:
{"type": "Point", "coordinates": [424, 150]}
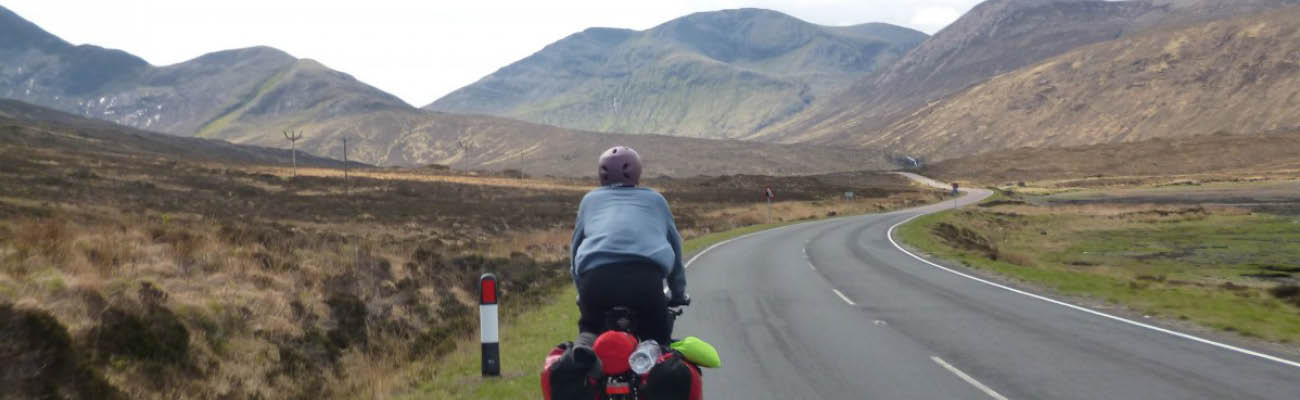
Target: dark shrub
{"type": "Point", "coordinates": [40, 361]}
{"type": "Point", "coordinates": [350, 316]}
{"type": "Point", "coordinates": [1288, 293]}
{"type": "Point", "coordinates": [514, 173]}
{"type": "Point", "coordinates": [155, 336]}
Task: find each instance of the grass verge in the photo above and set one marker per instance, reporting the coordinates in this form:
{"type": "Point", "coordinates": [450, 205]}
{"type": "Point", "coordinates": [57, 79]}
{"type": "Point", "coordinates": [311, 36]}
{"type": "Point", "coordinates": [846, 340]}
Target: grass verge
{"type": "Point", "coordinates": [1225, 269]}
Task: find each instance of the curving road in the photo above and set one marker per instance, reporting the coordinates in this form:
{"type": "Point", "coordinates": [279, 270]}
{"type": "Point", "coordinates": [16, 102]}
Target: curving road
{"type": "Point", "coordinates": [834, 310]}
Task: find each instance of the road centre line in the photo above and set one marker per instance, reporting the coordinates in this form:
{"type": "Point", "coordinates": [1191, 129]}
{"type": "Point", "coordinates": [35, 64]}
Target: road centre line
{"type": "Point", "coordinates": [987, 390]}
{"type": "Point", "coordinates": [890, 235]}
{"type": "Point", "coordinates": [843, 297]}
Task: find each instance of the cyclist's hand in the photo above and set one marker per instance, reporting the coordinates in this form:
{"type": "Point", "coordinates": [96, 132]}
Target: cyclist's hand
{"type": "Point", "coordinates": [679, 301]}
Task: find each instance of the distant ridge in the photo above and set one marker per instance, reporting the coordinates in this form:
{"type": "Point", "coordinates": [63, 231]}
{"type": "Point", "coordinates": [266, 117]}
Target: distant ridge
{"type": "Point", "coordinates": [722, 74]}
{"type": "Point", "coordinates": [33, 126]}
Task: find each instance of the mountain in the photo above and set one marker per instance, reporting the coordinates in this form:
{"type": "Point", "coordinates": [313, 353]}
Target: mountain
{"type": "Point", "coordinates": [211, 95]}
{"type": "Point", "coordinates": [250, 96]}
{"type": "Point", "coordinates": [723, 74]}
{"type": "Point", "coordinates": [995, 37]}
{"type": "Point", "coordinates": [302, 92]}
{"type": "Point", "coordinates": [1239, 76]}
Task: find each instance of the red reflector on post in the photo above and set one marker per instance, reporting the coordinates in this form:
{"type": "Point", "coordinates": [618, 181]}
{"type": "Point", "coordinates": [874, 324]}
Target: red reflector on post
{"type": "Point", "coordinates": [489, 332]}
{"type": "Point", "coordinates": [489, 291]}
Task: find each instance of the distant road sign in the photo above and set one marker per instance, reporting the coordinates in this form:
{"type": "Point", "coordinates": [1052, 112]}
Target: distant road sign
{"type": "Point", "coordinates": [848, 195]}
{"type": "Point", "coordinates": [954, 188]}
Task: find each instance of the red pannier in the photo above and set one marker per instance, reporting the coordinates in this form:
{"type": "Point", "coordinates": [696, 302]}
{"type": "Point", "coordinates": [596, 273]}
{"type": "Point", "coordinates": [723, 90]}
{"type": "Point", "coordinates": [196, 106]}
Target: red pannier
{"type": "Point", "coordinates": [570, 376]}
{"type": "Point", "coordinates": [673, 378]}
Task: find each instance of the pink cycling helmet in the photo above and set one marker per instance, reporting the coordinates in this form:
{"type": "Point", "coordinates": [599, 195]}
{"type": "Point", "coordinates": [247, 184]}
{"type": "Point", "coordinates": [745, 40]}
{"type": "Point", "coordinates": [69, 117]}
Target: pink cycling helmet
{"type": "Point", "coordinates": [620, 165]}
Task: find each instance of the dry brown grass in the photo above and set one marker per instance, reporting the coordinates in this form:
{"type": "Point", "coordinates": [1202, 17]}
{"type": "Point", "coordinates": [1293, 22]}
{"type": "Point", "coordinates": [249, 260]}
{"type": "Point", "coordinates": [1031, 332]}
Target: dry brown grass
{"type": "Point", "coordinates": [204, 281]}
{"type": "Point", "coordinates": [235, 294]}
{"type": "Point", "coordinates": [552, 244]}
{"type": "Point", "coordinates": [422, 176]}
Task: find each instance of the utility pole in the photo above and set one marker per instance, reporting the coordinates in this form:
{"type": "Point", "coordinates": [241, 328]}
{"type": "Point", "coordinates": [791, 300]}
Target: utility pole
{"type": "Point", "coordinates": [345, 168]}
{"type": "Point", "coordinates": [293, 152]}
{"type": "Point", "coordinates": [768, 195]}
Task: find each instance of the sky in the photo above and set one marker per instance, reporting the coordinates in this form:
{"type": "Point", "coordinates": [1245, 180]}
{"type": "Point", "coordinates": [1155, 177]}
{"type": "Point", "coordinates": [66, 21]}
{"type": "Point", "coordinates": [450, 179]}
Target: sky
{"type": "Point", "coordinates": [418, 50]}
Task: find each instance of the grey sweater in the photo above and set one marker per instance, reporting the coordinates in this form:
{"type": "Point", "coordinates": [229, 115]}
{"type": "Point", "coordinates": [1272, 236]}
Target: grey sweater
{"type": "Point", "coordinates": [619, 225]}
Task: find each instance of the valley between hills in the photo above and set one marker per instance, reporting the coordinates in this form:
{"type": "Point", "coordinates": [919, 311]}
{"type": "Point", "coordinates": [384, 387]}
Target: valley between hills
{"type": "Point", "coordinates": [159, 239]}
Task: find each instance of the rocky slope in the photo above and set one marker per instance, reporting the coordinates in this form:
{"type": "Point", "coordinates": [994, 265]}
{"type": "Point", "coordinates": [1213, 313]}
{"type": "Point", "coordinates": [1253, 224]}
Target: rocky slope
{"type": "Point", "coordinates": [996, 37]}
{"type": "Point", "coordinates": [400, 137]}
{"type": "Point", "coordinates": [1238, 76]}
{"type": "Point", "coordinates": [722, 74]}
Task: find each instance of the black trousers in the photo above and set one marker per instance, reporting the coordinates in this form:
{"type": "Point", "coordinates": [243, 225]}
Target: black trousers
{"type": "Point", "coordinates": [635, 286]}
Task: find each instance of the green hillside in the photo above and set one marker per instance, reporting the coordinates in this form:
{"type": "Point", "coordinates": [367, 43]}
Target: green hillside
{"type": "Point", "coordinates": [724, 74]}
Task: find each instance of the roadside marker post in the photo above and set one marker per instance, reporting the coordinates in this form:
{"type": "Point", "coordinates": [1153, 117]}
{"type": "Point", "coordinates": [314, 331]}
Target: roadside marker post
{"type": "Point", "coordinates": [955, 193]}
{"type": "Point", "coordinates": [489, 332]}
{"type": "Point", "coordinates": [346, 188]}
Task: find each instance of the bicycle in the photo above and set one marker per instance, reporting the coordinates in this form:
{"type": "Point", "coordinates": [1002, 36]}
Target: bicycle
{"type": "Point", "coordinates": [627, 386]}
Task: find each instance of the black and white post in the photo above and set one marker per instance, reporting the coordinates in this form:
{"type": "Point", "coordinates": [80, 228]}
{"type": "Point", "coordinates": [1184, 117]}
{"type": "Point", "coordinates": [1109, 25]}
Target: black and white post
{"type": "Point", "coordinates": [487, 324]}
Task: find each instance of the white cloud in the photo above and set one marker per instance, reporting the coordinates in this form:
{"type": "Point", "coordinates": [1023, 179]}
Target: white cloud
{"type": "Point", "coordinates": [418, 50]}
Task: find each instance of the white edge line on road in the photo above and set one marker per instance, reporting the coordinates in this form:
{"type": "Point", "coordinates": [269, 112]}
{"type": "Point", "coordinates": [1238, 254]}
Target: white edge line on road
{"type": "Point", "coordinates": [706, 250]}
{"type": "Point", "coordinates": [843, 297]}
{"type": "Point", "coordinates": [890, 235]}
{"type": "Point", "coordinates": [758, 233]}
{"type": "Point", "coordinates": [987, 390]}
{"type": "Point", "coordinates": [811, 266]}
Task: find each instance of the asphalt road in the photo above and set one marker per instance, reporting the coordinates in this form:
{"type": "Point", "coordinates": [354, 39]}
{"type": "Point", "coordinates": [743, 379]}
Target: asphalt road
{"type": "Point", "coordinates": [833, 310]}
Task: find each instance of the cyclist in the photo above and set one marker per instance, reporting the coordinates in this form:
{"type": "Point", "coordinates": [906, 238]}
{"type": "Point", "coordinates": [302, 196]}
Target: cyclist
{"type": "Point", "coordinates": [625, 245]}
